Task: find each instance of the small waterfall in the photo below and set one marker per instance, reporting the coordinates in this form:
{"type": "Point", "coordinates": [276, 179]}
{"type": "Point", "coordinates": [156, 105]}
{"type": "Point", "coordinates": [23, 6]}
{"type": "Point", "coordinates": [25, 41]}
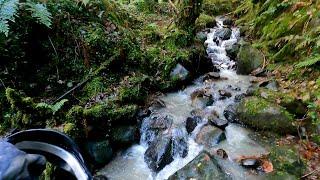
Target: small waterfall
{"type": "Point", "coordinates": [170, 121]}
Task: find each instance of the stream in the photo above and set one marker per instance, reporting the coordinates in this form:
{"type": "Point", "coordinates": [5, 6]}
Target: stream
{"type": "Point", "coordinates": [167, 144]}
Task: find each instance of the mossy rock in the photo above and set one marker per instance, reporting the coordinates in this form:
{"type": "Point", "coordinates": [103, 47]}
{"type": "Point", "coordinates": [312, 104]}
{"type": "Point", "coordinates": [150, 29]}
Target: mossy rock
{"type": "Point", "coordinates": [72, 130]}
{"type": "Point", "coordinates": [123, 136]}
{"type": "Point", "coordinates": [108, 112]}
{"type": "Point", "coordinates": [292, 105]}
{"type": "Point", "coordinates": [99, 151]}
{"type": "Point", "coordinates": [201, 167]}
{"type": "Point", "coordinates": [204, 21]}
{"type": "Point", "coordinates": [263, 115]}
{"type": "Point", "coordinates": [248, 59]}
{"type": "Point", "coordinates": [286, 163]}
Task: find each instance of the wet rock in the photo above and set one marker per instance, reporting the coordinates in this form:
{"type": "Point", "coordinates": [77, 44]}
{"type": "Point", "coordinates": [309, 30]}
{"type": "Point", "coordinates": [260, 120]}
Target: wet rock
{"type": "Point", "coordinates": [211, 75]}
{"type": "Point", "coordinates": [143, 113]}
{"type": "Point", "coordinates": [124, 135]}
{"type": "Point", "coordinates": [250, 163]}
{"type": "Point", "coordinates": [201, 167]}
{"type": "Point", "coordinates": [201, 98]}
{"type": "Point", "coordinates": [224, 94]}
{"type": "Point", "coordinates": [210, 136]}
{"type": "Point", "coordinates": [179, 143]}
{"type": "Point", "coordinates": [263, 115]}
{"type": "Point", "coordinates": [192, 122]}
{"type": "Point", "coordinates": [197, 112]}
{"type": "Point", "coordinates": [223, 33]}
{"type": "Point", "coordinates": [232, 51]}
{"type": "Point", "coordinates": [160, 122]}
{"type": "Point", "coordinates": [220, 123]}
{"type": "Point", "coordinates": [158, 154]}
{"type": "Point", "coordinates": [270, 84]}
{"type": "Point", "coordinates": [202, 36]}
{"type": "Point", "coordinates": [230, 113]}
{"type": "Point", "coordinates": [180, 73]}
{"type": "Point", "coordinates": [153, 126]}
{"type": "Point", "coordinates": [248, 59]}
{"type": "Point", "coordinates": [239, 97]}
{"type": "Point", "coordinates": [222, 153]}
{"type": "Point", "coordinates": [227, 21]}
{"type": "Point", "coordinates": [99, 151]}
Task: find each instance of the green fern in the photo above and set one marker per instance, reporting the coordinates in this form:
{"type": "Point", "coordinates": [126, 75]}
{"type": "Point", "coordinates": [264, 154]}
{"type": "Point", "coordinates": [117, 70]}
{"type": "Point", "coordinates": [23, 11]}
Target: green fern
{"type": "Point", "coordinates": [40, 13]}
{"type": "Point", "coordinates": [8, 8]}
{"type": "Point", "coordinates": [309, 61]}
{"type": "Point", "coordinates": [54, 108]}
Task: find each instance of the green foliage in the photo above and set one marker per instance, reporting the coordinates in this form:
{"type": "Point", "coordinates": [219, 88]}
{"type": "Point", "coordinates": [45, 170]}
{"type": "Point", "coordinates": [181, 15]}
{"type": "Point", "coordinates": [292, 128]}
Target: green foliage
{"type": "Point", "coordinates": [53, 108]}
{"type": "Point", "coordinates": [309, 61]}
{"type": "Point", "coordinates": [40, 13]}
{"type": "Point", "coordinates": [9, 9]}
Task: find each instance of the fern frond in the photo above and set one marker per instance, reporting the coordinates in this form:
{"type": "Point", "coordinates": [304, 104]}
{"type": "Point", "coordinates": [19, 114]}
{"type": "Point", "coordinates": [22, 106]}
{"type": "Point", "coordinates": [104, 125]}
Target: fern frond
{"type": "Point", "coordinates": [40, 12]}
{"type": "Point", "coordinates": [8, 8]}
{"type": "Point", "coordinates": [53, 108]}
{"type": "Point", "coordinates": [309, 61]}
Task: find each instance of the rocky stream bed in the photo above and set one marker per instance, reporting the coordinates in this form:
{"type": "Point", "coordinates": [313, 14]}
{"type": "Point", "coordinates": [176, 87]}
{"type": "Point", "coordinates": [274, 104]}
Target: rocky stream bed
{"type": "Point", "coordinates": [195, 132]}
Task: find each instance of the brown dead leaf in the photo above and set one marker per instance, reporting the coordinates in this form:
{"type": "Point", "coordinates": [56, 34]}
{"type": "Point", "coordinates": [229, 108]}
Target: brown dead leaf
{"type": "Point", "coordinates": [267, 166]}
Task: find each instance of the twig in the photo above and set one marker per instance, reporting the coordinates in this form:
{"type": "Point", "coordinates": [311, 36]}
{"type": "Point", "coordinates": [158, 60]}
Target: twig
{"type": "Point", "coordinates": [306, 175]}
{"type": "Point", "coordinates": [55, 51]}
{"type": "Point", "coordinates": [71, 90]}
{"type": "Point", "coordinates": [3, 84]}
{"type": "Point", "coordinates": [174, 7]}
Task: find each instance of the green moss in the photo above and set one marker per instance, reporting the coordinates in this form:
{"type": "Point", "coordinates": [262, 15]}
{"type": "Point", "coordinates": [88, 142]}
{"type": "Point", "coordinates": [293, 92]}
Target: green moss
{"type": "Point", "coordinates": [95, 86]}
{"type": "Point", "coordinates": [109, 111]}
{"type": "Point", "coordinates": [72, 130]}
{"type": "Point", "coordinates": [204, 21]}
{"type": "Point", "coordinates": [218, 7]}
{"type": "Point", "coordinates": [286, 163]}
{"type": "Point", "coordinates": [75, 114]}
{"type": "Point", "coordinates": [255, 105]}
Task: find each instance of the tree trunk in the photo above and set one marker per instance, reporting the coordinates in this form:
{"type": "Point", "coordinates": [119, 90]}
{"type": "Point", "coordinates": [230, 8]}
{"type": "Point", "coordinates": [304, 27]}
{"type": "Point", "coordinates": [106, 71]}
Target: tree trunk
{"type": "Point", "coordinates": [189, 11]}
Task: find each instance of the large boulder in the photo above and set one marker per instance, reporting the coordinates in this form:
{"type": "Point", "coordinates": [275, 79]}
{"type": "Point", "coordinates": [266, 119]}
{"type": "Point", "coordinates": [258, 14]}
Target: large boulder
{"type": "Point", "coordinates": [99, 151]}
{"type": "Point", "coordinates": [164, 148]}
{"type": "Point", "coordinates": [201, 167]}
{"type": "Point", "coordinates": [263, 115]}
{"type": "Point", "coordinates": [154, 126]}
{"type": "Point", "coordinates": [124, 135]}
{"type": "Point", "coordinates": [159, 153]}
{"type": "Point", "coordinates": [233, 50]}
{"type": "Point", "coordinates": [210, 136]}
{"type": "Point", "coordinates": [223, 33]}
{"type": "Point", "coordinates": [248, 59]}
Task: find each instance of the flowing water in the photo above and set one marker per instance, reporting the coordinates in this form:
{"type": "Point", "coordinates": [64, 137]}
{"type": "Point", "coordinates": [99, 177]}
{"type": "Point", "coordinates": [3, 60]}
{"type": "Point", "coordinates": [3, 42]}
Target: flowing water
{"type": "Point", "coordinates": [130, 164]}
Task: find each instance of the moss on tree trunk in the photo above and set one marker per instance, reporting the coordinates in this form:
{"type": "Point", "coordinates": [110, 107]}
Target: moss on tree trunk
{"type": "Point", "coordinates": [189, 11]}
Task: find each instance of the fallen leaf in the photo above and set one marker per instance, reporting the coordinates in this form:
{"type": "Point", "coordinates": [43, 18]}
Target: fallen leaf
{"type": "Point", "coordinates": [267, 166]}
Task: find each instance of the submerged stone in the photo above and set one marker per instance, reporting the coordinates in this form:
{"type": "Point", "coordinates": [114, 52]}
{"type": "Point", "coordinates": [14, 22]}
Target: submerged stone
{"type": "Point", "coordinates": [210, 136]}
